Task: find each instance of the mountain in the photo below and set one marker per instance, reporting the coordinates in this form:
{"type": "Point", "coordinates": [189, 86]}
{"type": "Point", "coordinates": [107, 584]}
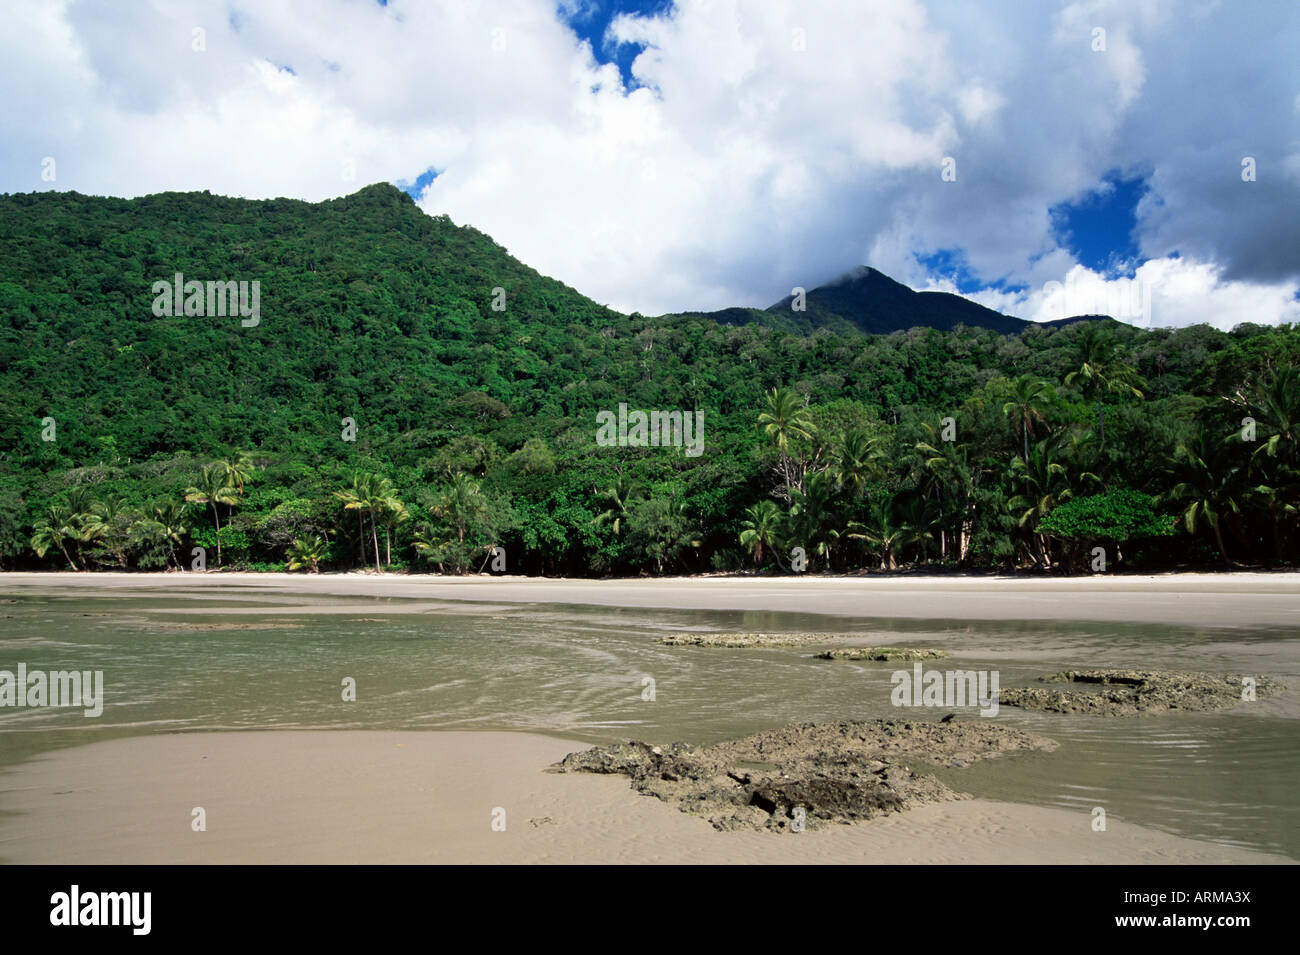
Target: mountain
{"type": "Point", "coordinates": [369, 308]}
{"type": "Point", "coordinates": [871, 302]}
{"type": "Point", "coordinates": [368, 338]}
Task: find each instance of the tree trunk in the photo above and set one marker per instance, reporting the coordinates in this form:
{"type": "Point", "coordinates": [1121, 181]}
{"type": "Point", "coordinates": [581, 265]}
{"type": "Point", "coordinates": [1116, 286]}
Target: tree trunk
{"type": "Point", "coordinates": [216, 517]}
{"type": "Point", "coordinates": [361, 537]}
{"type": "Point", "coordinates": [374, 534]}
{"type": "Point", "coordinates": [1218, 539]}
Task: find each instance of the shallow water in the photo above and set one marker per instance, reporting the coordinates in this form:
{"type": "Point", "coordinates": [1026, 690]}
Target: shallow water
{"type": "Point", "coordinates": [244, 660]}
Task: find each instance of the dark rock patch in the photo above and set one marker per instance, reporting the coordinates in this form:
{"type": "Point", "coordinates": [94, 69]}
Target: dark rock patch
{"type": "Point", "coordinates": [1131, 692]}
{"type": "Point", "coordinates": [834, 772]}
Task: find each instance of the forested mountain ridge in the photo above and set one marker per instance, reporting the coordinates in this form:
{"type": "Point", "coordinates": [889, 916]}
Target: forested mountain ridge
{"type": "Point", "coordinates": [870, 301]}
{"type": "Point", "coordinates": [409, 384]}
{"type": "Point", "coordinates": [353, 291]}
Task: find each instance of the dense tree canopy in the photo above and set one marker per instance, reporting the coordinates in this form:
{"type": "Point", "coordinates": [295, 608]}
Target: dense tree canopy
{"type": "Point", "coordinates": [412, 396]}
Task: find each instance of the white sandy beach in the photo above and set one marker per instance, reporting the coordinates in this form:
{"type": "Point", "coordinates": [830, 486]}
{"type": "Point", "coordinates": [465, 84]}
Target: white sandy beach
{"type": "Point", "coordinates": [1229, 599]}
{"type": "Point", "coordinates": [412, 797]}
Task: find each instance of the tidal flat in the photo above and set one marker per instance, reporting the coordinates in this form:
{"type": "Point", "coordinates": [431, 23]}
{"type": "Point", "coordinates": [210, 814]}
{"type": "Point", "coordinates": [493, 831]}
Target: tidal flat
{"type": "Point", "coordinates": [467, 690]}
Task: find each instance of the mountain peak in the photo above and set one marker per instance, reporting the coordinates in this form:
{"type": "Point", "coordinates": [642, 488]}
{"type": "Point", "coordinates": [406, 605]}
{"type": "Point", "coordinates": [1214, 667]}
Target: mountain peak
{"type": "Point", "coordinates": [381, 192]}
{"type": "Point", "coordinates": [872, 302]}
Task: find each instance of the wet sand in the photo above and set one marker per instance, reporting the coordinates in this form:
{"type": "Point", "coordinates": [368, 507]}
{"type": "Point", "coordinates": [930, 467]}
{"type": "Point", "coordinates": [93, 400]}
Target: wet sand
{"type": "Point", "coordinates": [420, 797]}
{"type": "Point", "coordinates": [1230, 599]}
{"type": "Point", "coordinates": [394, 796]}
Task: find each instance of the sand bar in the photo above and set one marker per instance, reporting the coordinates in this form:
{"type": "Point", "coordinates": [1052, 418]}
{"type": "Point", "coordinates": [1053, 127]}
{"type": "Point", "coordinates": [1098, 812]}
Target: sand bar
{"type": "Point", "coordinates": [419, 797]}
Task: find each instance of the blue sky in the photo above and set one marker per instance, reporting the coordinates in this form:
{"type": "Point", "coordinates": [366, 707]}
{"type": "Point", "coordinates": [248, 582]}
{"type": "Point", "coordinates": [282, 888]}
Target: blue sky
{"type": "Point", "coordinates": [590, 19]}
{"type": "Point", "coordinates": [1098, 229]}
{"type": "Point", "coordinates": [1099, 145]}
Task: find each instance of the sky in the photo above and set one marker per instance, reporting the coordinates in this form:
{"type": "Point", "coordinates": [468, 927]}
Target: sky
{"type": "Point", "coordinates": [1137, 157]}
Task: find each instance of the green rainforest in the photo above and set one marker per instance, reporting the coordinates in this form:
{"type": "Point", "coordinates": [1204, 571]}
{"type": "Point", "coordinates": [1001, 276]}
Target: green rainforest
{"type": "Point", "coordinates": [412, 398]}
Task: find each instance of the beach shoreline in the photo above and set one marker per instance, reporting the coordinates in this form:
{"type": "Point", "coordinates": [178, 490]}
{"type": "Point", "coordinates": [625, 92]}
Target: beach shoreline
{"type": "Point", "coordinates": [402, 795]}
{"type": "Point", "coordinates": [1209, 599]}
{"type": "Point", "coordinates": [378, 796]}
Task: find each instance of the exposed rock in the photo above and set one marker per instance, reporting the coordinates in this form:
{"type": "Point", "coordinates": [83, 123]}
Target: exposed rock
{"type": "Point", "coordinates": [749, 639]}
{"type": "Point", "coordinates": [801, 640]}
{"type": "Point", "coordinates": [836, 772]}
{"type": "Point", "coordinates": [883, 654]}
{"type": "Point", "coordinates": [1130, 692]}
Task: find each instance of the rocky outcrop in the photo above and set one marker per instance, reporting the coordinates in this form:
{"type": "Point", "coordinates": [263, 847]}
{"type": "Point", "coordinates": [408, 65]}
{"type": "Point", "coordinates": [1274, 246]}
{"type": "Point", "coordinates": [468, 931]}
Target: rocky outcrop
{"type": "Point", "coordinates": [1130, 692]}
{"type": "Point", "coordinates": [801, 640]}
{"type": "Point", "coordinates": [883, 654]}
{"type": "Point", "coordinates": [834, 772]}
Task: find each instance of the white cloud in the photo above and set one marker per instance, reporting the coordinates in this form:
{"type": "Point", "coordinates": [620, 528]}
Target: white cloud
{"type": "Point", "coordinates": [1167, 291]}
{"type": "Point", "coordinates": [745, 165]}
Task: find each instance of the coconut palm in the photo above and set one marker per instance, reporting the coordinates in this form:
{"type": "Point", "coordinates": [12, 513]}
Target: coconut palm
{"type": "Point", "coordinates": [946, 473]}
{"type": "Point", "coordinates": [351, 498]}
{"type": "Point", "coordinates": [463, 504]}
{"type": "Point", "coordinates": [394, 512]}
{"type": "Point", "coordinates": [109, 520]}
{"type": "Point", "coordinates": [164, 523]}
{"type": "Point", "coordinates": [238, 469]}
{"type": "Point", "coordinates": [621, 496]}
{"type": "Point", "coordinates": [307, 553]}
{"type": "Point", "coordinates": [213, 488]}
{"type": "Point", "coordinates": [884, 526]}
{"type": "Point", "coordinates": [1275, 405]}
{"type": "Point", "coordinates": [812, 523]}
{"type": "Point", "coordinates": [370, 495]}
{"type": "Point", "coordinates": [858, 458]}
{"type": "Point", "coordinates": [1029, 399]}
{"type": "Point", "coordinates": [1042, 481]}
{"type": "Point", "coordinates": [1102, 371]}
{"type": "Point", "coordinates": [58, 528]}
{"type": "Point", "coordinates": [1209, 486]}
{"type": "Point", "coordinates": [760, 528]}
{"type": "Point", "coordinates": [786, 418]}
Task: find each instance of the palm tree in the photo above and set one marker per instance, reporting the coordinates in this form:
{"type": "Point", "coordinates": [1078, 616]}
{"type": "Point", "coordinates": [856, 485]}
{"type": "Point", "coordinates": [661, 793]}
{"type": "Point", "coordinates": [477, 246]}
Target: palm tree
{"type": "Point", "coordinates": [238, 469]}
{"type": "Point", "coordinates": [812, 523]}
{"type": "Point", "coordinates": [166, 523]}
{"type": "Point", "coordinates": [621, 496]}
{"type": "Point", "coordinates": [886, 528]}
{"type": "Point", "coordinates": [947, 473]}
{"type": "Point", "coordinates": [1275, 404]}
{"type": "Point", "coordinates": [786, 417]}
{"type": "Point", "coordinates": [1029, 398]}
{"type": "Point", "coordinates": [760, 528]}
{"type": "Point", "coordinates": [462, 503]}
{"type": "Point", "coordinates": [108, 520]}
{"type": "Point", "coordinates": [1044, 482]}
{"type": "Point", "coordinates": [1102, 370]}
{"type": "Point", "coordinates": [307, 553]}
{"type": "Point", "coordinates": [1209, 486]}
{"type": "Point", "coordinates": [213, 489]}
{"type": "Point", "coordinates": [858, 459]}
{"type": "Point", "coordinates": [56, 529]}
{"type": "Point", "coordinates": [921, 515]}
{"type": "Point", "coordinates": [370, 494]}
{"type": "Point", "coordinates": [350, 497]}
{"type": "Point", "coordinates": [394, 512]}
{"type": "Point", "coordinates": [80, 516]}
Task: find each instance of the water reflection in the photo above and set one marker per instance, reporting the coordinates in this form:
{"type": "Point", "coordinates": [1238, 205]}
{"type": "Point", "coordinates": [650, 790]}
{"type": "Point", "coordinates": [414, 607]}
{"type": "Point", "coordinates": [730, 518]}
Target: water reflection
{"type": "Point", "coordinates": [169, 665]}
